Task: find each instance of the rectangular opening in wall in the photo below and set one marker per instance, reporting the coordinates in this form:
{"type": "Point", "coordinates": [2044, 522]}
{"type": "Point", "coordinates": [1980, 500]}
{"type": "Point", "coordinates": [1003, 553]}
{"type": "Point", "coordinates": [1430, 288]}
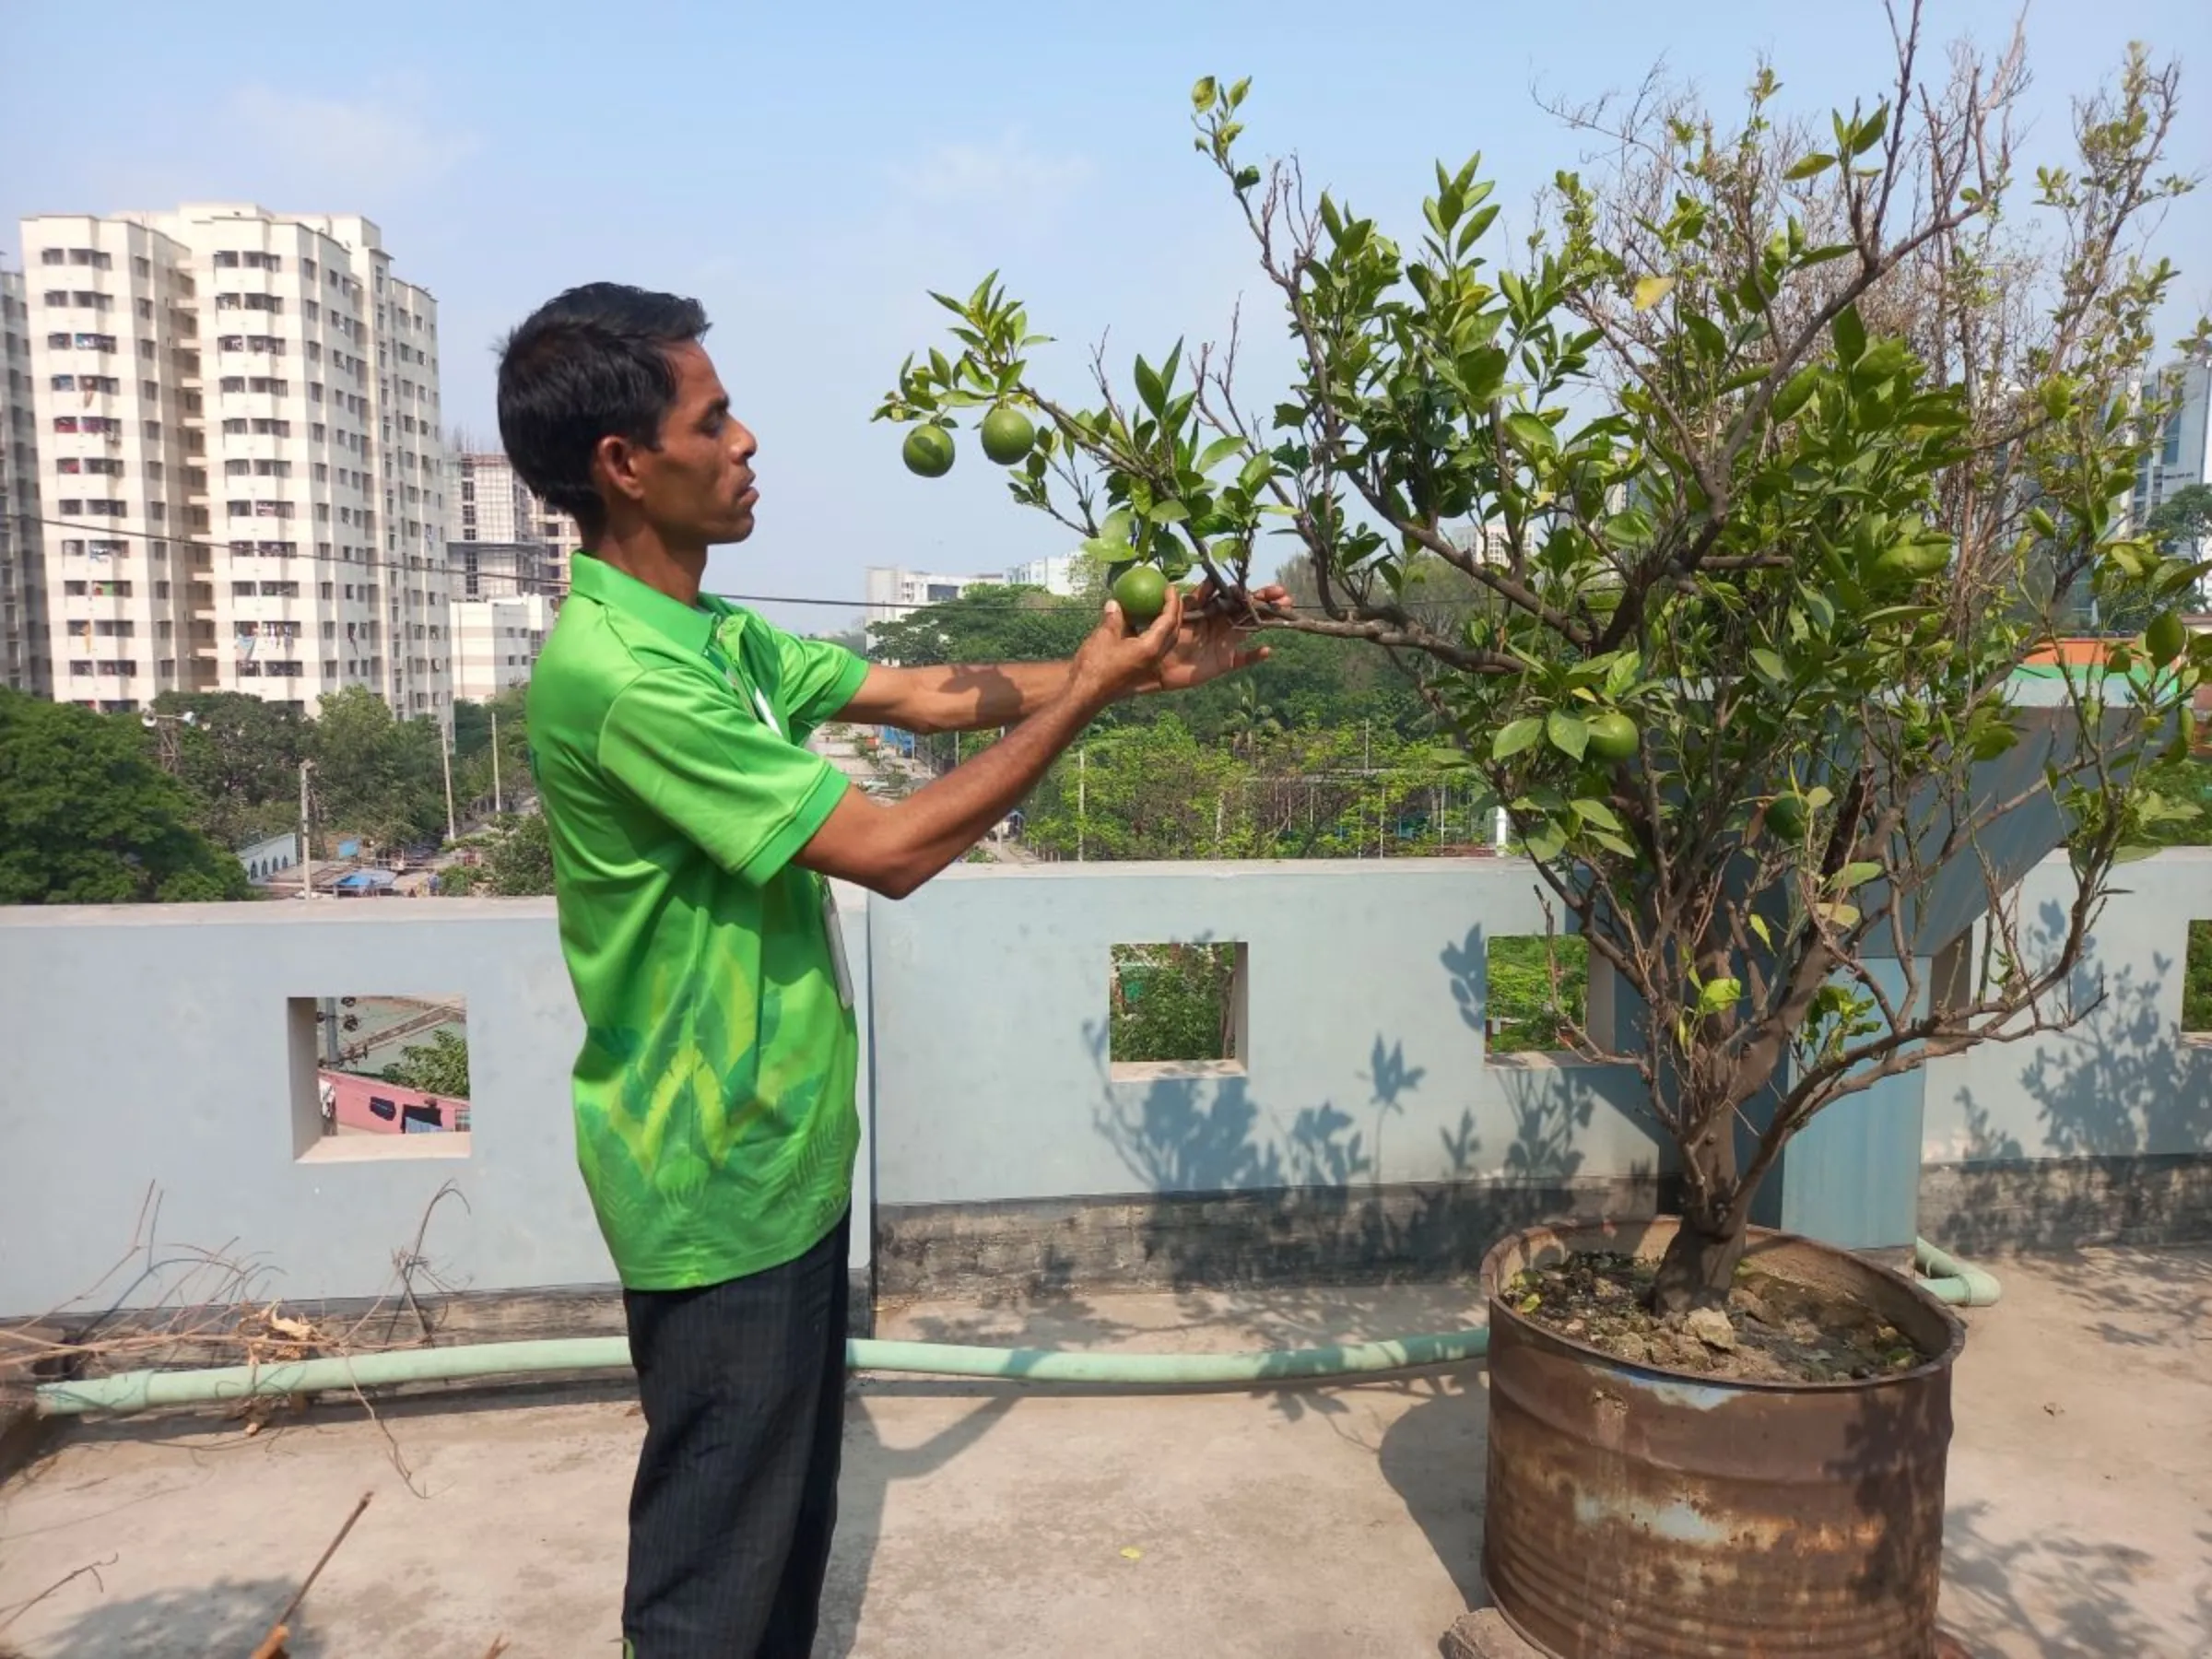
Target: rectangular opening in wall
{"type": "Point", "coordinates": [1176, 1010]}
{"type": "Point", "coordinates": [1537, 987]}
{"type": "Point", "coordinates": [2197, 983]}
{"type": "Point", "coordinates": [379, 1076]}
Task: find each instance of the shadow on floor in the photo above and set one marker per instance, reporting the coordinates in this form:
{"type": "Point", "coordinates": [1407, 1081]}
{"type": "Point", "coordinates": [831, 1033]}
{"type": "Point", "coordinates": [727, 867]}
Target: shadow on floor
{"type": "Point", "coordinates": [228, 1617]}
{"type": "Point", "coordinates": [863, 1490]}
{"type": "Point", "coordinates": [1433, 1457]}
{"type": "Point", "coordinates": [2141, 1298]}
{"type": "Point", "coordinates": [2053, 1596]}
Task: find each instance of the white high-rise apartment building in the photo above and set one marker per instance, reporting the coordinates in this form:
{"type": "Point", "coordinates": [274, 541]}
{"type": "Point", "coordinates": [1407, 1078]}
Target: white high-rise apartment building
{"type": "Point", "coordinates": [238, 424]}
{"type": "Point", "coordinates": [23, 665]}
{"type": "Point", "coordinates": [496, 643]}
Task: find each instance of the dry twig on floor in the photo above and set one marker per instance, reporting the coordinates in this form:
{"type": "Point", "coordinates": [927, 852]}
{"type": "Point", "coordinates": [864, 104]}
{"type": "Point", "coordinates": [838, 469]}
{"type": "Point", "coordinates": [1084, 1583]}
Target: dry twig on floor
{"type": "Point", "coordinates": [93, 1568]}
{"type": "Point", "coordinates": [272, 1645]}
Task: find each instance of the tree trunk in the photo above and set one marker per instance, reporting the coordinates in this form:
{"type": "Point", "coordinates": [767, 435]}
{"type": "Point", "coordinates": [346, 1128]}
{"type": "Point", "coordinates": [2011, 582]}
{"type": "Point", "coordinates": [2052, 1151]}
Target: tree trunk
{"type": "Point", "coordinates": [1698, 1269]}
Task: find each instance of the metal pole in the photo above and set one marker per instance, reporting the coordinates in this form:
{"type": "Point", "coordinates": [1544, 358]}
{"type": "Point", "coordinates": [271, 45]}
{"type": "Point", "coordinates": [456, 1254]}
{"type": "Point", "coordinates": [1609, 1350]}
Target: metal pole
{"type": "Point", "coordinates": [307, 837]}
{"type": "Point", "coordinates": [445, 764]}
{"type": "Point", "coordinates": [495, 762]}
{"type": "Point", "coordinates": [1082, 764]}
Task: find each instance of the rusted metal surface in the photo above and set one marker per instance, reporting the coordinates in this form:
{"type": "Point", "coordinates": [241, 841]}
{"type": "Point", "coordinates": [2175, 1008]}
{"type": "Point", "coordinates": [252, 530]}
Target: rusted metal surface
{"type": "Point", "coordinates": [1639, 1513]}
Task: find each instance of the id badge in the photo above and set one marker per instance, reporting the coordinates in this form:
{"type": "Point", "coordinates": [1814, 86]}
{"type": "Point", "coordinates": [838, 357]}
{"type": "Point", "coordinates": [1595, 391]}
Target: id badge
{"type": "Point", "coordinates": [834, 931]}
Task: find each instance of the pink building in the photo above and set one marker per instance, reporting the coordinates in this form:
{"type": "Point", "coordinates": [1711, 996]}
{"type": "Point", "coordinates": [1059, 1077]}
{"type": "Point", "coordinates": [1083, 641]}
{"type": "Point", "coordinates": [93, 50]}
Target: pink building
{"type": "Point", "coordinates": [370, 1105]}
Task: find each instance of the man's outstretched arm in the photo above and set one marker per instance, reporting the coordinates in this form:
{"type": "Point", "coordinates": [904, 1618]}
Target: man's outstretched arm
{"type": "Point", "coordinates": [985, 695]}
{"type": "Point", "coordinates": [954, 699]}
{"type": "Point", "coordinates": [894, 849]}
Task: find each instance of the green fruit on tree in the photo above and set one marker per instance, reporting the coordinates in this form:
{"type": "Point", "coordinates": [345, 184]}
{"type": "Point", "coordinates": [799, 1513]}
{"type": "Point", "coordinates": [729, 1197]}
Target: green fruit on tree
{"type": "Point", "coordinates": [928, 452]}
{"type": "Point", "coordinates": [1008, 435]}
{"type": "Point", "coordinates": [2166, 637]}
{"type": "Point", "coordinates": [1786, 817]}
{"type": "Point", "coordinates": [1612, 735]}
{"type": "Point", "coordinates": [1142, 592]}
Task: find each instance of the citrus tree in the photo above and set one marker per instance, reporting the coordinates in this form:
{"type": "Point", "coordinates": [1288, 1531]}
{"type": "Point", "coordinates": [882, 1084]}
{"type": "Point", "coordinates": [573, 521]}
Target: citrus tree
{"type": "Point", "coordinates": [1775, 453]}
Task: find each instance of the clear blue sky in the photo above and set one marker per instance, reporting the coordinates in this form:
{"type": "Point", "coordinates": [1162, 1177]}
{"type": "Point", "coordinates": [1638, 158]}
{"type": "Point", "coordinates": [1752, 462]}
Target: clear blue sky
{"type": "Point", "coordinates": [807, 171]}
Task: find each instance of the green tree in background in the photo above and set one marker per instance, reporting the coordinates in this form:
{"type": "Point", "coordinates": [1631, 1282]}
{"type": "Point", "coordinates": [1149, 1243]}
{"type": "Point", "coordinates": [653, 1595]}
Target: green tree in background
{"type": "Point", "coordinates": [473, 773]}
{"type": "Point", "coordinates": [377, 776]}
{"type": "Point", "coordinates": [1172, 1002]}
{"type": "Point", "coordinates": [1519, 996]}
{"type": "Point", "coordinates": [238, 761]}
{"type": "Point", "coordinates": [439, 1066]}
{"type": "Point", "coordinates": [2180, 523]}
{"type": "Point", "coordinates": [518, 865]}
{"type": "Point", "coordinates": [986, 625]}
{"type": "Point", "coordinates": [87, 818]}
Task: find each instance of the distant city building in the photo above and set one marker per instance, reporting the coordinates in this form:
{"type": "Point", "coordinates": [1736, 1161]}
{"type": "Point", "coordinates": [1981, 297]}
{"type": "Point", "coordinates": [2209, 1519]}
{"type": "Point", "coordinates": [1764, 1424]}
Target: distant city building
{"type": "Point", "coordinates": [24, 664]}
{"type": "Point", "coordinates": [245, 480]}
{"type": "Point", "coordinates": [894, 592]}
{"type": "Point", "coordinates": [2183, 452]}
{"type": "Point", "coordinates": [488, 570]}
{"type": "Point", "coordinates": [497, 641]}
{"type": "Point", "coordinates": [497, 506]}
{"type": "Point", "coordinates": [1056, 574]}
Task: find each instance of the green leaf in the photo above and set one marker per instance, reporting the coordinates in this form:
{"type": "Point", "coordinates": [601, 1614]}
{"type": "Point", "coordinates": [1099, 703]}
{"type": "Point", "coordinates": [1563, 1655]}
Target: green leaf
{"type": "Point", "coordinates": [1837, 916]}
{"type": "Point", "coordinates": [1167, 512]}
{"type": "Point", "coordinates": [1795, 393]}
{"type": "Point", "coordinates": [1532, 433]}
{"type": "Point", "coordinates": [1598, 813]}
{"type": "Point", "coordinates": [1514, 737]}
{"type": "Point", "coordinates": [1870, 131]}
{"type": "Point", "coordinates": [1218, 452]}
{"type": "Point", "coordinates": [1483, 372]}
{"type": "Point", "coordinates": [1202, 94]}
{"type": "Point", "coordinates": [1855, 875]}
{"type": "Point", "coordinates": [2045, 525]}
{"type": "Point", "coordinates": [1718, 995]}
{"type": "Point", "coordinates": [1757, 925]}
{"type": "Point", "coordinates": [1770, 665]}
{"type": "Point", "coordinates": [1650, 291]}
{"type": "Point", "coordinates": [1850, 334]}
{"type": "Point", "coordinates": [1810, 167]}
{"type": "Point", "coordinates": [1567, 733]}
{"type": "Point", "coordinates": [1547, 842]}
{"type": "Point", "coordinates": [1149, 387]}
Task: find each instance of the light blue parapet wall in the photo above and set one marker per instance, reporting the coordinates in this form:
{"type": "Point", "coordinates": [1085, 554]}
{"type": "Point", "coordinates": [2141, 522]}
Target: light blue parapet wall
{"type": "Point", "coordinates": [1361, 1055]}
{"type": "Point", "coordinates": [156, 1048]}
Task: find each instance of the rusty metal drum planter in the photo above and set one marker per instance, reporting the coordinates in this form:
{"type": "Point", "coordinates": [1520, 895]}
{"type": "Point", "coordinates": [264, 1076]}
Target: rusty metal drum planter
{"type": "Point", "coordinates": [1639, 1514]}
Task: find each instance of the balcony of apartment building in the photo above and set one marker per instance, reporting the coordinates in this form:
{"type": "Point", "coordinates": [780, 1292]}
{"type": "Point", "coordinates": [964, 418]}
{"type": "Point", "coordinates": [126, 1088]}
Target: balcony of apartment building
{"type": "Point", "coordinates": [180, 1144]}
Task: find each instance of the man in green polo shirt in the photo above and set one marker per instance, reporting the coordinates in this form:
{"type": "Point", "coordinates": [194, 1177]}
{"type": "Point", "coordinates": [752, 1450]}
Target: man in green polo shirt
{"type": "Point", "coordinates": [692, 835]}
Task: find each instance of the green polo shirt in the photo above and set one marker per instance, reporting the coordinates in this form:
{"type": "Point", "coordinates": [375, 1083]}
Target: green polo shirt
{"type": "Point", "coordinates": [715, 1121]}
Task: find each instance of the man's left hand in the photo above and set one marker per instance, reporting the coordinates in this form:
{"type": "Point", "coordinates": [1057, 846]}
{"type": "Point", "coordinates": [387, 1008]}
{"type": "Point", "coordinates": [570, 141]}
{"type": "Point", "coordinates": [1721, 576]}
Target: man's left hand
{"type": "Point", "coordinates": [1211, 643]}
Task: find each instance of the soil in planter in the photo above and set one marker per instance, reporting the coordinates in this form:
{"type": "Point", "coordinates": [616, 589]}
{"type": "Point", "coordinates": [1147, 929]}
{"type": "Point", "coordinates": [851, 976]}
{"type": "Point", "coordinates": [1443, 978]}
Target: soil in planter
{"type": "Point", "coordinates": [1773, 1331]}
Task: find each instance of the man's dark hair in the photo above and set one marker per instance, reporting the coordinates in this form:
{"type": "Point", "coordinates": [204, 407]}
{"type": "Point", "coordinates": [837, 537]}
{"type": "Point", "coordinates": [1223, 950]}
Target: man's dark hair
{"type": "Point", "coordinates": [591, 363]}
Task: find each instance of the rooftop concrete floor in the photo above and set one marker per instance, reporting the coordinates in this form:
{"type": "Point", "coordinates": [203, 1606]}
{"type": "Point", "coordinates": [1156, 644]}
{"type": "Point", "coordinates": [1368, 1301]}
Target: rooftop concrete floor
{"type": "Point", "coordinates": [1296, 1524]}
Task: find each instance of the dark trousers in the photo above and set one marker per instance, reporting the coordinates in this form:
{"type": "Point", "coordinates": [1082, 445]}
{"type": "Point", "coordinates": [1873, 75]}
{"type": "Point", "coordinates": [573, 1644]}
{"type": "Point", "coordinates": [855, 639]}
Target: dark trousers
{"type": "Point", "coordinates": [743, 1385]}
